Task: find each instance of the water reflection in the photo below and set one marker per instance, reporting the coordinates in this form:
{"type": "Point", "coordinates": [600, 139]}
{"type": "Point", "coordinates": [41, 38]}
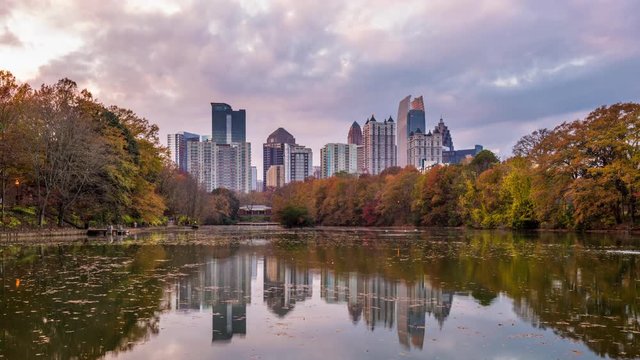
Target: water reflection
{"type": "Point", "coordinates": [87, 301]}
{"type": "Point", "coordinates": [284, 285]}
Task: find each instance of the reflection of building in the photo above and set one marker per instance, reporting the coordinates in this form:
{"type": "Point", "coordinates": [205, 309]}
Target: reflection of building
{"type": "Point", "coordinates": [224, 285]}
{"type": "Point", "coordinates": [228, 319]}
{"type": "Point", "coordinates": [381, 302]}
{"type": "Point", "coordinates": [284, 285]}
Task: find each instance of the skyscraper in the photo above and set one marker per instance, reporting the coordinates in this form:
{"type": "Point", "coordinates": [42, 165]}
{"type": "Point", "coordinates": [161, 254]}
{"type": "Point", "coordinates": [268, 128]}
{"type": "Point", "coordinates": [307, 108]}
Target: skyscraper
{"type": "Point", "coordinates": [273, 151]}
{"type": "Point", "coordinates": [336, 158]}
{"type": "Point", "coordinates": [355, 134]}
{"type": "Point", "coordinates": [355, 137]}
{"type": "Point", "coordinates": [298, 163]}
{"type": "Point", "coordinates": [220, 165]}
{"type": "Point", "coordinates": [411, 117]}
{"type": "Point", "coordinates": [177, 144]}
{"type": "Point", "coordinates": [227, 125]}
{"type": "Point", "coordinates": [379, 139]}
{"type": "Point", "coordinates": [425, 150]}
{"type": "Point", "coordinates": [254, 178]}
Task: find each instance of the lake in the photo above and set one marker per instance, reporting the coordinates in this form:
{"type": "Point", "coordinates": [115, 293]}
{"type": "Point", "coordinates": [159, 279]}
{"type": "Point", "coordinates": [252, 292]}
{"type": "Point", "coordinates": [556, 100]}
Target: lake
{"type": "Point", "coordinates": [270, 293]}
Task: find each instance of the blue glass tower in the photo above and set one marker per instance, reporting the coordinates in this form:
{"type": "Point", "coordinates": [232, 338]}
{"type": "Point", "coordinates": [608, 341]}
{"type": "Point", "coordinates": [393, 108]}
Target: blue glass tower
{"type": "Point", "coordinates": [228, 126]}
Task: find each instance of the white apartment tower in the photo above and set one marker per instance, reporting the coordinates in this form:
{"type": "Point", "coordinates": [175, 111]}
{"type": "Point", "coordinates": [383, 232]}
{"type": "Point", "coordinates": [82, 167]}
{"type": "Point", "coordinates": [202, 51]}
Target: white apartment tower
{"type": "Point", "coordinates": [379, 139]}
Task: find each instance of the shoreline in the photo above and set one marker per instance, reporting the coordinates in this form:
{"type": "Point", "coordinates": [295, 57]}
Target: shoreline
{"type": "Point", "coordinates": [82, 233]}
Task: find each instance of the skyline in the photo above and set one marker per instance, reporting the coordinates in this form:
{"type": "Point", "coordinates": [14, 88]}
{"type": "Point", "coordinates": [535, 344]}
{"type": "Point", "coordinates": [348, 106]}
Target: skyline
{"type": "Point", "coordinates": [495, 69]}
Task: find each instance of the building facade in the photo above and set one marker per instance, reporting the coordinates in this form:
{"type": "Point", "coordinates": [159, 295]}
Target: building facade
{"type": "Point", "coordinates": [298, 163]}
{"type": "Point", "coordinates": [355, 134]}
{"type": "Point", "coordinates": [177, 144]}
{"type": "Point", "coordinates": [425, 150]}
{"type": "Point", "coordinates": [220, 165]}
{"type": "Point", "coordinates": [411, 118]}
{"type": "Point", "coordinates": [273, 150]}
{"type": "Point", "coordinates": [379, 141]}
{"type": "Point", "coordinates": [275, 176]}
{"type": "Point", "coordinates": [335, 157]}
{"type": "Point", "coordinates": [228, 126]}
{"type": "Point", "coordinates": [458, 156]}
{"type": "Point", "coordinates": [254, 178]}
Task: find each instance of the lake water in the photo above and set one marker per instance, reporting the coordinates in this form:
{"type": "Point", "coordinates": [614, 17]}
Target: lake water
{"type": "Point", "coordinates": [268, 293]}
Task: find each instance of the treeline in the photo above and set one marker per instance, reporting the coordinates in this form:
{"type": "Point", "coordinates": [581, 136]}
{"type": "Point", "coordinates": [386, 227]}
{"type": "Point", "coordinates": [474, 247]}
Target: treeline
{"type": "Point", "coordinates": [66, 159]}
{"type": "Point", "coordinates": [583, 174]}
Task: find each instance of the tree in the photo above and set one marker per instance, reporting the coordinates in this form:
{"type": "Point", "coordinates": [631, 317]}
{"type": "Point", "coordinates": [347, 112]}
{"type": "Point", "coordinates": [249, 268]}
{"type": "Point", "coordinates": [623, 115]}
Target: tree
{"type": "Point", "coordinates": [528, 143]}
{"type": "Point", "coordinates": [483, 161]}
{"type": "Point", "coordinates": [65, 154]}
{"type": "Point", "coordinates": [13, 98]}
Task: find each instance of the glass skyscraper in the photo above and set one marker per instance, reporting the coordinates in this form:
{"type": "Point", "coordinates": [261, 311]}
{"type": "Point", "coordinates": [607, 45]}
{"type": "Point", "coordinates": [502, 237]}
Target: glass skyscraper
{"type": "Point", "coordinates": [228, 126]}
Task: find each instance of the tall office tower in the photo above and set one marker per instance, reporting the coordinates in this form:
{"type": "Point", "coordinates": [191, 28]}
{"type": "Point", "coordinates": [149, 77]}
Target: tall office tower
{"type": "Point", "coordinates": [233, 167]}
{"type": "Point", "coordinates": [447, 141]}
{"type": "Point", "coordinates": [298, 163]}
{"type": "Point", "coordinates": [178, 148]}
{"type": "Point", "coordinates": [379, 139]}
{"type": "Point", "coordinates": [220, 165]}
{"type": "Point", "coordinates": [273, 151]}
{"type": "Point", "coordinates": [317, 172]}
{"type": "Point", "coordinates": [355, 134]}
{"type": "Point", "coordinates": [335, 158]}
{"type": "Point", "coordinates": [411, 117]}
{"type": "Point", "coordinates": [355, 137]}
{"type": "Point", "coordinates": [254, 178]}
{"type": "Point", "coordinates": [425, 150]}
{"type": "Point", "coordinates": [275, 177]}
{"type": "Point", "coordinates": [228, 125]}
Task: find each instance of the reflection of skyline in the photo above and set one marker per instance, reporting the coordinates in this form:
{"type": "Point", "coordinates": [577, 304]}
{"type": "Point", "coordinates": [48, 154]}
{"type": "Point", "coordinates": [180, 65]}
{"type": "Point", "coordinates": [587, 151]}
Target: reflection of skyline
{"type": "Point", "coordinates": [224, 286]}
{"type": "Point", "coordinates": [284, 285]}
{"type": "Point", "coordinates": [380, 302]}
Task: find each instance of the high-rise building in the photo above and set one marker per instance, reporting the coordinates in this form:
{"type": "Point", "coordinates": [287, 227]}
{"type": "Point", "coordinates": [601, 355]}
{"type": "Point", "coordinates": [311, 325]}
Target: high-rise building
{"type": "Point", "coordinates": [254, 178]}
{"type": "Point", "coordinates": [178, 148]}
{"type": "Point", "coordinates": [317, 172]}
{"type": "Point", "coordinates": [228, 126]}
{"type": "Point", "coordinates": [336, 158]}
{"type": "Point", "coordinates": [411, 117]}
{"type": "Point", "coordinates": [379, 139]}
{"type": "Point", "coordinates": [298, 163]}
{"type": "Point", "coordinates": [447, 141]}
{"type": "Point", "coordinates": [273, 151]}
{"type": "Point", "coordinates": [355, 137]}
{"type": "Point", "coordinates": [425, 150]}
{"type": "Point", "coordinates": [220, 165]}
{"type": "Point", "coordinates": [275, 177]}
{"type": "Point", "coordinates": [355, 134]}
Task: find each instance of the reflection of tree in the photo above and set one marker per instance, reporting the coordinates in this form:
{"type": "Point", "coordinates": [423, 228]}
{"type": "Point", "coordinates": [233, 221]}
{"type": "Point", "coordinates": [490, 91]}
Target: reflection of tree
{"type": "Point", "coordinates": [78, 301]}
{"type": "Point", "coordinates": [284, 285]}
{"type": "Point", "coordinates": [555, 281]}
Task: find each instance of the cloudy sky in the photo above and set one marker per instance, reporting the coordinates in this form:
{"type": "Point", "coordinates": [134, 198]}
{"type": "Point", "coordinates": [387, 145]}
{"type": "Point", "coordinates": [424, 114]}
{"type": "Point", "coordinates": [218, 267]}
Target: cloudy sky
{"type": "Point", "coordinates": [496, 69]}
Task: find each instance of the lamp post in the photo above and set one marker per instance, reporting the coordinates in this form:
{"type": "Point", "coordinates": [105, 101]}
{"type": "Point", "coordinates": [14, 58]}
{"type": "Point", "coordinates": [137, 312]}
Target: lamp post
{"type": "Point", "coordinates": [17, 191]}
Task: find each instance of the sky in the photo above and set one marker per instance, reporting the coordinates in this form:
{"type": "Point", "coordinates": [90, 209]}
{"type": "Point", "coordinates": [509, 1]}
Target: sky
{"type": "Point", "coordinates": [494, 69]}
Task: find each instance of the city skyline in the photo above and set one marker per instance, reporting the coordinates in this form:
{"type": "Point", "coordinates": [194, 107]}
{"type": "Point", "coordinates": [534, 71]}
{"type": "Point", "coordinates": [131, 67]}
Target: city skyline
{"type": "Point", "coordinates": [494, 69]}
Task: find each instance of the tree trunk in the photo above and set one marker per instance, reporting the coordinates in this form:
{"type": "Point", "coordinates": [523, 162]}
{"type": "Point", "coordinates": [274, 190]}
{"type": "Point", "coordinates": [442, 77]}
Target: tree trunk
{"type": "Point", "coordinates": [3, 197]}
{"type": "Point", "coordinates": [60, 215]}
